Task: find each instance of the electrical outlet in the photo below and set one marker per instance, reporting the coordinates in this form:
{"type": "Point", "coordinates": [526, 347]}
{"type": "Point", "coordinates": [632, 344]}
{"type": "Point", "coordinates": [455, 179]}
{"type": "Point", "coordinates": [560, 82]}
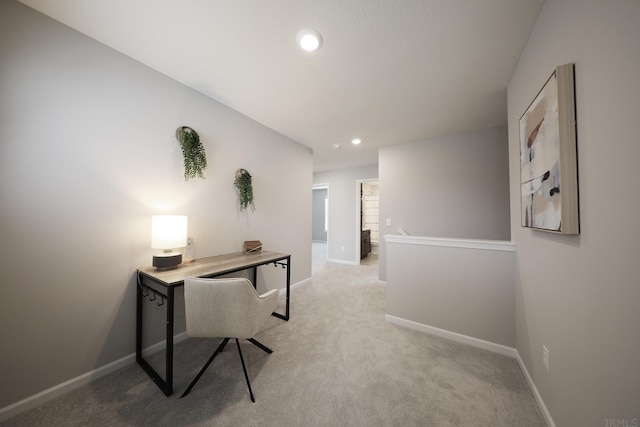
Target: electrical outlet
{"type": "Point", "coordinates": [388, 222]}
{"type": "Point", "coordinates": [342, 248]}
{"type": "Point", "coordinates": [545, 357]}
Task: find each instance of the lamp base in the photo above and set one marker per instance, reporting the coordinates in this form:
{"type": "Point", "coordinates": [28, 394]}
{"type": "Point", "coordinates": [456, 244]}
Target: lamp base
{"type": "Point", "coordinates": [167, 261]}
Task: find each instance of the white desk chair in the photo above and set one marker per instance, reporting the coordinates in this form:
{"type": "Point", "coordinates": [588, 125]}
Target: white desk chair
{"type": "Point", "coordinates": [228, 308]}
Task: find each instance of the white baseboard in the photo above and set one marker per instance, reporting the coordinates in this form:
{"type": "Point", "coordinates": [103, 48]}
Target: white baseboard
{"type": "Point", "coordinates": [536, 394]}
{"type": "Point", "coordinates": [486, 345]}
{"type": "Point", "coordinates": [299, 284]}
{"type": "Point", "coordinates": [342, 261]}
{"type": "Point", "coordinates": [453, 336]}
{"type": "Point", "coordinates": [72, 384]}
{"type": "Point", "coordinates": [67, 386]}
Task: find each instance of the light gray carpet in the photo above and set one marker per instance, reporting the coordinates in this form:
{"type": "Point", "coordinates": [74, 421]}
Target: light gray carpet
{"type": "Point", "coordinates": [335, 363]}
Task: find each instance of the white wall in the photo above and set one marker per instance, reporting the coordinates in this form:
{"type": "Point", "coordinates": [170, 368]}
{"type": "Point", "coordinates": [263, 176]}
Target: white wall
{"type": "Point", "coordinates": [87, 155]}
{"type": "Point", "coordinates": [579, 295]}
{"type": "Point", "coordinates": [455, 186]}
{"type": "Point", "coordinates": [458, 286]}
{"type": "Point", "coordinates": [343, 216]}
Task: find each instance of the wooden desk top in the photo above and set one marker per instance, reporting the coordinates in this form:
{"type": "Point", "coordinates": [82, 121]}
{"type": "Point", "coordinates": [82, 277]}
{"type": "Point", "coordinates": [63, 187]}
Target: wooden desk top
{"type": "Point", "coordinates": [211, 266]}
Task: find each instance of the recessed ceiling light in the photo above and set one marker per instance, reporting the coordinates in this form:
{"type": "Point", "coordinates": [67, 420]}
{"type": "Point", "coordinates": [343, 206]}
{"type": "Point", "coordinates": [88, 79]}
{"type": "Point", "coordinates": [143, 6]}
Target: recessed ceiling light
{"type": "Point", "coordinates": [309, 39]}
{"type": "Point", "coordinates": [336, 146]}
{"type": "Point", "coordinates": [356, 141]}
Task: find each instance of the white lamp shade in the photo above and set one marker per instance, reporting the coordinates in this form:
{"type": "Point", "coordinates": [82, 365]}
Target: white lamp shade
{"type": "Point", "coordinates": [168, 231]}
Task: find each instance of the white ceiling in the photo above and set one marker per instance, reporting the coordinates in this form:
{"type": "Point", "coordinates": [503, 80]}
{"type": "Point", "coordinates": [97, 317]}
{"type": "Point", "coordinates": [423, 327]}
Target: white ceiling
{"type": "Point", "coordinates": [387, 72]}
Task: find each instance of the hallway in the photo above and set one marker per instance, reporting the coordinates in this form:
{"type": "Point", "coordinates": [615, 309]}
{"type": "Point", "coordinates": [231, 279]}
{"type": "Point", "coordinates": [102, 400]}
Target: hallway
{"type": "Point", "coordinates": [319, 261]}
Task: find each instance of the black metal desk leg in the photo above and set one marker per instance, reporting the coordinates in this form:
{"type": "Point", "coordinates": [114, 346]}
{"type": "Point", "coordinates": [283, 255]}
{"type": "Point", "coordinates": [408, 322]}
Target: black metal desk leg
{"type": "Point", "coordinates": [138, 320]}
{"type": "Point", "coordinates": [286, 266]}
{"type": "Point", "coordinates": [255, 277]}
{"type": "Point", "coordinates": [169, 355]}
{"type": "Point", "coordinates": [286, 312]}
{"type": "Point", "coordinates": [165, 386]}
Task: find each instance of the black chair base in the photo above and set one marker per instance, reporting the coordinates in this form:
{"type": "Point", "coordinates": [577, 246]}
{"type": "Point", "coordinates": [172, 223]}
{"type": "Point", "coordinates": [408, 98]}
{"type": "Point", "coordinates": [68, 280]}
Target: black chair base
{"type": "Point", "coordinates": [244, 368]}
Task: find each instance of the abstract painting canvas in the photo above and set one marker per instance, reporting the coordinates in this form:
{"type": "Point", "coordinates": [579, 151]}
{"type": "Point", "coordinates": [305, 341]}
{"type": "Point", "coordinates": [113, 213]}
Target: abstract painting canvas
{"type": "Point", "coordinates": [548, 157]}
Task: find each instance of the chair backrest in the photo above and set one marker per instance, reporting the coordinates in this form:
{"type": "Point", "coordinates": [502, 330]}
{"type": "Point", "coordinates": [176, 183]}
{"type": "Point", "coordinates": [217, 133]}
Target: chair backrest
{"type": "Point", "coordinates": [228, 307]}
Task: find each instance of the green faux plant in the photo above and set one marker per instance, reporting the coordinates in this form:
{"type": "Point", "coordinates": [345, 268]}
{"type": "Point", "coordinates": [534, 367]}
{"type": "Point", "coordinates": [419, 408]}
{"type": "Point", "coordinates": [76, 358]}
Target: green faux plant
{"type": "Point", "coordinates": [244, 188]}
{"type": "Point", "coordinates": [195, 160]}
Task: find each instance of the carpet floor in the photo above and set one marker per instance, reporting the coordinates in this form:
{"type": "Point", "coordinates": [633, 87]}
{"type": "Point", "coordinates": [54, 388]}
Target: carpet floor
{"type": "Point", "coordinates": [337, 362]}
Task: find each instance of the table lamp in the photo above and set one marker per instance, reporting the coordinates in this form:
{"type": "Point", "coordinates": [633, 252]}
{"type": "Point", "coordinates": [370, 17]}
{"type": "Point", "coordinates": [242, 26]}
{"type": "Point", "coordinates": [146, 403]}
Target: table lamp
{"type": "Point", "coordinates": [168, 232]}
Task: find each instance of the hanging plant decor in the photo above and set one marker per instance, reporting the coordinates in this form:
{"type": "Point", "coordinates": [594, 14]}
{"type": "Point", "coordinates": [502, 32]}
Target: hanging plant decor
{"type": "Point", "coordinates": [195, 160]}
{"type": "Point", "coordinates": [244, 187]}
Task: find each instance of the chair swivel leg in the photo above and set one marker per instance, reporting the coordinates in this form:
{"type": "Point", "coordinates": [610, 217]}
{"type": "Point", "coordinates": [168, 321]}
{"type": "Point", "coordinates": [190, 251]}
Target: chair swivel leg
{"type": "Point", "coordinates": [260, 345]}
{"type": "Point", "coordinates": [244, 368]}
{"type": "Point", "coordinates": [206, 365]}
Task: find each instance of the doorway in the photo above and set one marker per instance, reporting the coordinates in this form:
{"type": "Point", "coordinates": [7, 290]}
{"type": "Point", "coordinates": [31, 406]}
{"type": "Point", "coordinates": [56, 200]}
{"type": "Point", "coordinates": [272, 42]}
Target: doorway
{"type": "Point", "coordinates": [319, 223]}
{"type": "Point", "coordinates": [368, 220]}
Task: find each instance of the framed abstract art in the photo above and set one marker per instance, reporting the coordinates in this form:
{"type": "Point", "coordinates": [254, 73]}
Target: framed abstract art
{"type": "Point", "coordinates": [548, 157]}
